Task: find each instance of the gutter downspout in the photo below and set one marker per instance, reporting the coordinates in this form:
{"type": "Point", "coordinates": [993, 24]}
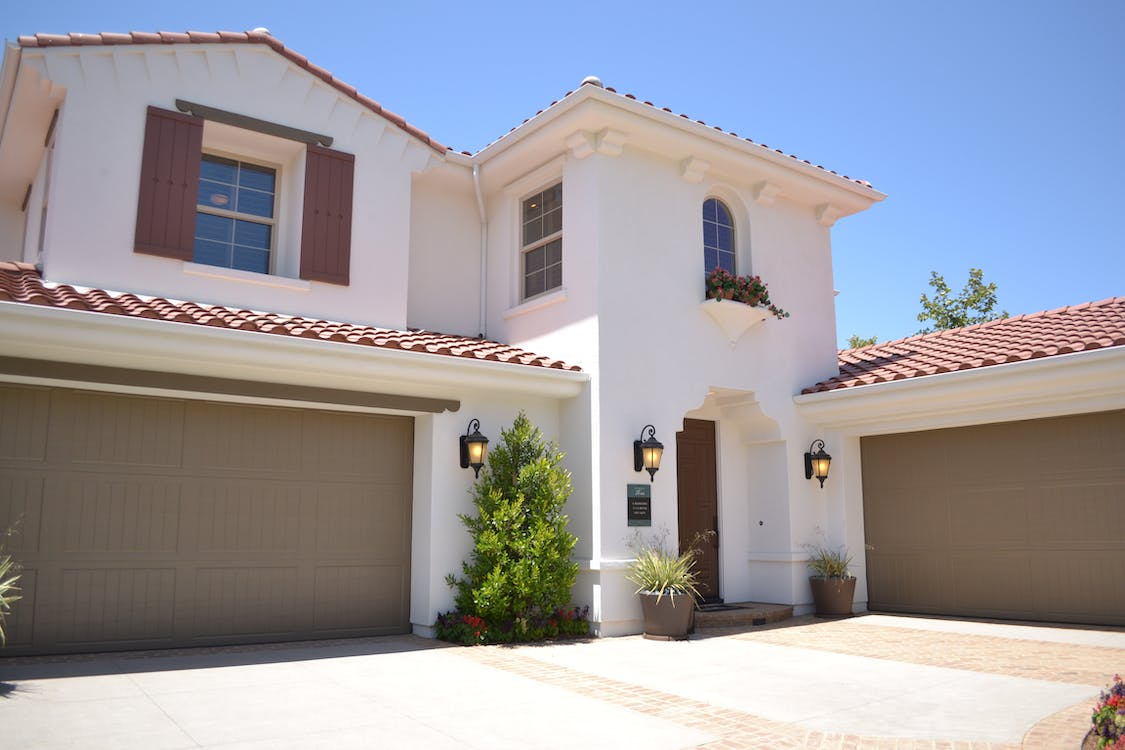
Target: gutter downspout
{"type": "Point", "coordinates": [482, 322]}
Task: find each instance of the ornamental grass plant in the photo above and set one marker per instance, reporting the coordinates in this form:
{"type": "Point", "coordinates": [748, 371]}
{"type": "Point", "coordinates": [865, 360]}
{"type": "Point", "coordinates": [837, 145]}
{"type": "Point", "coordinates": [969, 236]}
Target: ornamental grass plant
{"type": "Point", "coordinates": [658, 570]}
{"type": "Point", "coordinates": [826, 562]}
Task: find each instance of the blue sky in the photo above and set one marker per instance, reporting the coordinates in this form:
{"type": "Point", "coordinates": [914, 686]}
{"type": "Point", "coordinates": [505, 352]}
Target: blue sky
{"type": "Point", "coordinates": [997, 129]}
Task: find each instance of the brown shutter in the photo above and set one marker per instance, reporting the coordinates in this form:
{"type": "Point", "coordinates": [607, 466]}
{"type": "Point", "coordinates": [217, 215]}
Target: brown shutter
{"type": "Point", "coordinates": [326, 230]}
{"type": "Point", "coordinates": [169, 184]}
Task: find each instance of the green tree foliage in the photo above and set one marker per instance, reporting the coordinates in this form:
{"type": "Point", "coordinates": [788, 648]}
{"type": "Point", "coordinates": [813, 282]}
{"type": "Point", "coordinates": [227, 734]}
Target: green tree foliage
{"type": "Point", "coordinates": [975, 304]}
{"type": "Point", "coordinates": [520, 569]}
{"type": "Point", "coordinates": [855, 341]}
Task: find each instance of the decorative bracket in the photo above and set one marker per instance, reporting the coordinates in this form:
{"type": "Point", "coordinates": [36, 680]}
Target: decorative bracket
{"type": "Point", "coordinates": [693, 169]}
{"type": "Point", "coordinates": [611, 142]}
{"type": "Point", "coordinates": [826, 214]}
{"type": "Point", "coordinates": [581, 144]}
{"type": "Point", "coordinates": [766, 193]}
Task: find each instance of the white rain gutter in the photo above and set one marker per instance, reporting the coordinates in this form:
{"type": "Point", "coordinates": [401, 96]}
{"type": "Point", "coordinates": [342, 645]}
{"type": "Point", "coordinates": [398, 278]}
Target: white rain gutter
{"type": "Point", "coordinates": [482, 323]}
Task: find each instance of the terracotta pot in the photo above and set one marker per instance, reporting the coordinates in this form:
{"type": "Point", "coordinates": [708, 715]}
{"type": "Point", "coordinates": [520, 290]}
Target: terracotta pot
{"type": "Point", "coordinates": [669, 619]}
{"type": "Point", "coordinates": [832, 596]}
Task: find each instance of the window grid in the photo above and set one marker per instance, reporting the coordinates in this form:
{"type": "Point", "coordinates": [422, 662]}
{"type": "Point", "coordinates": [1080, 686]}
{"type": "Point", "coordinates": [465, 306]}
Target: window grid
{"type": "Point", "coordinates": [541, 241]}
{"type": "Point", "coordinates": [718, 236]}
{"type": "Point", "coordinates": [235, 214]}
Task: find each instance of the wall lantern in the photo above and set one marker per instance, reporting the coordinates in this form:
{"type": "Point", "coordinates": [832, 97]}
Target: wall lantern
{"type": "Point", "coordinates": [647, 452]}
{"type": "Point", "coordinates": [816, 464]}
{"type": "Point", "coordinates": [474, 446]}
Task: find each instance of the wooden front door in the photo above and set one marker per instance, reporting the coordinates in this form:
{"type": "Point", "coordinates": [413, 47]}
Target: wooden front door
{"type": "Point", "coordinates": [699, 501]}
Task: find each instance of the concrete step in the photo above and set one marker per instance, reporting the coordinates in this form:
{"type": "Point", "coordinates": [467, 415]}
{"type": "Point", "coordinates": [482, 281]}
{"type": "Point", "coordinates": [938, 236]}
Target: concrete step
{"type": "Point", "coordinates": [738, 614]}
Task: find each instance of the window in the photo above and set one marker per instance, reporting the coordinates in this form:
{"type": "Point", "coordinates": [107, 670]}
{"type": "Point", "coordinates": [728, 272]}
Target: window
{"type": "Point", "coordinates": [541, 245]}
{"type": "Point", "coordinates": [234, 222]}
{"type": "Point", "coordinates": [718, 236]}
{"type": "Point", "coordinates": [224, 211]}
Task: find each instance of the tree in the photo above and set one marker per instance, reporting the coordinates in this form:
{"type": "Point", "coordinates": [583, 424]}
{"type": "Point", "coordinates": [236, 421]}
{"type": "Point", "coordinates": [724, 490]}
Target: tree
{"type": "Point", "coordinates": [520, 569]}
{"type": "Point", "coordinates": [975, 303]}
{"type": "Point", "coordinates": [855, 341]}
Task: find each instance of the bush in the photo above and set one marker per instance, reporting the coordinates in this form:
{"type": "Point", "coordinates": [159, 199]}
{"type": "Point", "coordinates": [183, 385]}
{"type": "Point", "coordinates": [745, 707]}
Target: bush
{"type": "Point", "coordinates": [520, 574]}
{"type": "Point", "coordinates": [470, 630]}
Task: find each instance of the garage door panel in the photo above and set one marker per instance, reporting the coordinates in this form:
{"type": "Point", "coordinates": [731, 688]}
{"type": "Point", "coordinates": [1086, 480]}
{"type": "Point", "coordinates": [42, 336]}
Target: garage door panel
{"type": "Point", "coordinates": [992, 517]}
{"type": "Point", "coordinates": [21, 507]}
{"type": "Point", "coordinates": [98, 605]}
{"type": "Point", "coordinates": [100, 429]}
{"type": "Point", "coordinates": [915, 516]}
{"type": "Point", "coordinates": [1036, 519]}
{"type": "Point", "coordinates": [344, 447]}
{"type": "Point", "coordinates": [100, 516]}
{"type": "Point", "coordinates": [20, 625]}
{"type": "Point", "coordinates": [910, 581]}
{"type": "Point", "coordinates": [243, 440]}
{"type": "Point", "coordinates": [23, 423]}
{"type": "Point", "coordinates": [242, 517]}
{"type": "Point", "coordinates": [245, 601]}
{"type": "Point", "coordinates": [989, 582]}
{"type": "Point", "coordinates": [347, 521]}
{"type": "Point", "coordinates": [357, 596]}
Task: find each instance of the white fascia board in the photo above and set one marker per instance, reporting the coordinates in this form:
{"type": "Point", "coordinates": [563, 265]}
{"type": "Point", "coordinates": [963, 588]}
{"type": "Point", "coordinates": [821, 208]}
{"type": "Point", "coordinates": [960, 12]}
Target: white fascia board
{"type": "Point", "coordinates": [79, 336]}
{"type": "Point", "coordinates": [716, 138]}
{"type": "Point", "coordinates": [1076, 383]}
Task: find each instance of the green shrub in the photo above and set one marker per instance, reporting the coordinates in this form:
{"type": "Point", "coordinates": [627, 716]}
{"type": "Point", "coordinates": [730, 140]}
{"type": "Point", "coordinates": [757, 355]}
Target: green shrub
{"type": "Point", "coordinates": [470, 630]}
{"type": "Point", "coordinates": [520, 571]}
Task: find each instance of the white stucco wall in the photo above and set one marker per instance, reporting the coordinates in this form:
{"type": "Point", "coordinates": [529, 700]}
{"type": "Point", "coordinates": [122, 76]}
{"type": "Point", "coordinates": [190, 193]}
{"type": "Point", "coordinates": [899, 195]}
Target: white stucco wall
{"type": "Point", "coordinates": [99, 135]}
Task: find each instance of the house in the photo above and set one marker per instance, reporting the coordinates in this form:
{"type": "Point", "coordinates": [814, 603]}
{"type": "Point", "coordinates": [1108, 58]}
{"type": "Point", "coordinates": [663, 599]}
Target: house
{"type": "Point", "coordinates": [246, 314]}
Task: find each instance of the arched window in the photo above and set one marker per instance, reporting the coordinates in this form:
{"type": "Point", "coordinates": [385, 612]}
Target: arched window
{"type": "Point", "coordinates": [718, 236]}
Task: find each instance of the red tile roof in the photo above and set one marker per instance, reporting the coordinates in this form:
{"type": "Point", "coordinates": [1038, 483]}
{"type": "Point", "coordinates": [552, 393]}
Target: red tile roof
{"type": "Point", "coordinates": [229, 37]}
{"type": "Point", "coordinates": [20, 282]}
{"type": "Point", "coordinates": [1093, 325]}
{"type": "Point", "coordinates": [863, 183]}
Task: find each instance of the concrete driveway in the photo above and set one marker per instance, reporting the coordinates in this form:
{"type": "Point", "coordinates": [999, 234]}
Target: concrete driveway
{"type": "Point", "coordinates": [874, 681]}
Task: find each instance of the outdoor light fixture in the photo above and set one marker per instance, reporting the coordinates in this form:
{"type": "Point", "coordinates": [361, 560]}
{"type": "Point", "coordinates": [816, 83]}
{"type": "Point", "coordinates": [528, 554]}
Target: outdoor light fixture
{"type": "Point", "coordinates": [816, 464]}
{"type": "Point", "coordinates": [647, 452]}
{"type": "Point", "coordinates": [474, 446]}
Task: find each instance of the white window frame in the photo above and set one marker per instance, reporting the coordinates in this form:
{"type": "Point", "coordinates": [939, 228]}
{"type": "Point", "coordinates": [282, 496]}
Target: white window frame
{"type": "Point", "coordinates": [539, 243]}
{"type": "Point", "coordinates": [733, 233]}
{"type": "Point", "coordinates": [273, 221]}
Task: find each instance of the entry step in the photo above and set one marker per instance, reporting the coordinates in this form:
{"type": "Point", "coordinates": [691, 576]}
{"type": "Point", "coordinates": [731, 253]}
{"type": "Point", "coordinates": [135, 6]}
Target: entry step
{"type": "Point", "coordinates": [740, 614]}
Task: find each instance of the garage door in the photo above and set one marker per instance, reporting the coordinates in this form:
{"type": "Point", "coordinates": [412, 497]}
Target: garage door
{"type": "Point", "coordinates": [1021, 520]}
{"type": "Point", "coordinates": [154, 522]}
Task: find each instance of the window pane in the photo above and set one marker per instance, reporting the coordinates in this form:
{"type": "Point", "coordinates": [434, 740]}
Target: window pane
{"type": "Point", "coordinates": [726, 261]}
{"type": "Point", "coordinates": [533, 207]}
{"type": "Point", "coordinates": [554, 252]}
{"type": "Point", "coordinates": [722, 215]}
{"type": "Point", "coordinates": [218, 228]}
{"type": "Point", "coordinates": [249, 259]}
{"type": "Point", "coordinates": [215, 194]}
{"type": "Point", "coordinates": [255, 203]}
{"type": "Point", "coordinates": [255, 177]}
{"type": "Point", "coordinates": [709, 210]}
{"type": "Point", "coordinates": [534, 260]}
{"type": "Point", "coordinates": [532, 231]}
{"type": "Point", "coordinates": [211, 253]}
{"type": "Point", "coordinates": [218, 169]}
{"type": "Point", "coordinates": [554, 276]}
{"type": "Point", "coordinates": [710, 235]}
{"type": "Point", "coordinates": [552, 222]}
{"type": "Point", "coordinates": [533, 285]}
{"type": "Point", "coordinates": [252, 234]}
{"type": "Point", "coordinates": [552, 198]}
{"type": "Point", "coordinates": [725, 241]}
{"type": "Point", "coordinates": [710, 259]}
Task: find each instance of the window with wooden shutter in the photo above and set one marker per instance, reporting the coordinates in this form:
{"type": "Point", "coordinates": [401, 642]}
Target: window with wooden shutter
{"type": "Point", "coordinates": [169, 183]}
{"type": "Point", "coordinates": [326, 229]}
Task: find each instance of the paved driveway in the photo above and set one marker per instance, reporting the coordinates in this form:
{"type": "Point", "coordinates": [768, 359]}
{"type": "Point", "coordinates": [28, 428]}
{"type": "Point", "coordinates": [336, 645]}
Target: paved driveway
{"type": "Point", "coordinates": [874, 681]}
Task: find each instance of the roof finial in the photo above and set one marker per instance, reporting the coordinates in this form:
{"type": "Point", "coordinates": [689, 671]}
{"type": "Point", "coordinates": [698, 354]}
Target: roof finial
{"type": "Point", "coordinates": [593, 80]}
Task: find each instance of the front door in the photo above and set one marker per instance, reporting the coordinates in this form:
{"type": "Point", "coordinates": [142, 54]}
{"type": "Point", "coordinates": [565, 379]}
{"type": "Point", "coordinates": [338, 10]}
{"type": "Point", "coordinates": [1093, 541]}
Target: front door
{"type": "Point", "coordinates": [698, 500]}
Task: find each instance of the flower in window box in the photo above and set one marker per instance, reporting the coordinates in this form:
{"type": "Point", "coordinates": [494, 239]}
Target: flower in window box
{"type": "Point", "coordinates": [749, 290]}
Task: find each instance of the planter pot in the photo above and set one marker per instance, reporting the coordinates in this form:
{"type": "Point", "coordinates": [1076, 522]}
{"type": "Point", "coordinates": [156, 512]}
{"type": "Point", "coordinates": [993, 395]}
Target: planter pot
{"type": "Point", "coordinates": [669, 619]}
{"type": "Point", "coordinates": [832, 596]}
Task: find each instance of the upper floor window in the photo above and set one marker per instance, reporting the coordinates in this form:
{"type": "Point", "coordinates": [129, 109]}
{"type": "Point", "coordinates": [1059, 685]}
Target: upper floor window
{"type": "Point", "coordinates": [541, 243]}
{"type": "Point", "coordinates": [718, 236]}
{"type": "Point", "coordinates": [234, 222]}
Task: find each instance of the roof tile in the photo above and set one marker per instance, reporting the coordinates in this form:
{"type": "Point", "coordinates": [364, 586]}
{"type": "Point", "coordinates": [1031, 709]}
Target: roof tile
{"type": "Point", "coordinates": [21, 283]}
{"type": "Point", "coordinates": [1064, 330]}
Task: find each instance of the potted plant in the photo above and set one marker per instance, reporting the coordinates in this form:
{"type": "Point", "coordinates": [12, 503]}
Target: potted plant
{"type": "Point", "coordinates": [749, 290]}
{"type": "Point", "coordinates": [667, 586]}
{"type": "Point", "coordinates": [833, 586]}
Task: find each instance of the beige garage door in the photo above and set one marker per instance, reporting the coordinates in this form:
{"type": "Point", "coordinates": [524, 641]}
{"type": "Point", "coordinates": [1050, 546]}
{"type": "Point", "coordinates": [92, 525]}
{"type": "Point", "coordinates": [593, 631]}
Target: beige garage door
{"type": "Point", "coordinates": [153, 522]}
{"type": "Point", "coordinates": [1021, 520]}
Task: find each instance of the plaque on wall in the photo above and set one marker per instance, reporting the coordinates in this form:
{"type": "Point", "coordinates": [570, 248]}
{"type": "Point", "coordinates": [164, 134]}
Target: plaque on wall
{"type": "Point", "coordinates": [639, 504]}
